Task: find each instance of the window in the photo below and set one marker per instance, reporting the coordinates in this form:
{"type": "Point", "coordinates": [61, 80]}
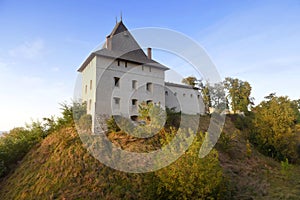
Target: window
{"type": "Point", "coordinates": [117, 100]}
{"type": "Point", "coordinates": [117, 81]}
{"type": "Point", "coordinates": [149, 87]}
{"type": "Point", "coordinates": [198, 96]}
{"type": "Point", "coordinates": [175, 94]}
{"type": "Point", "coordinates": [134, 118]}
{"type": "Point", "coordinates": [125, 63]}
{"type": "Point", "coordinates": [90, 104]}
{"type": "Point", "coordinates": [90, 84]}
{"type": "Point", "coordinates": [166, 93]}
{"type": "Point", "coordinates": [191, 95]}
{"type": "Point", "coordinates": [134, 102]}
{"type": "Point", "coordinates": [134, 84]}
{"type": "Point", "coordinates": [184, 94]}
{"type": "Point", "coordinates": [85, 89]}
{"type": "Point", "coordinates": [118, 62]}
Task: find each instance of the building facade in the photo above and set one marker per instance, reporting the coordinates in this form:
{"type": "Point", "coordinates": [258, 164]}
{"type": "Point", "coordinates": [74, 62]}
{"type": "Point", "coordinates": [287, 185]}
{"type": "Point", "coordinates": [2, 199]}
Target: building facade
{"type": "Point", "coordinates": [119, 76]}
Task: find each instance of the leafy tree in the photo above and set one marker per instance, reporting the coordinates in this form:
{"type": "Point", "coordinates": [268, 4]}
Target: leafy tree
{"type": "Point", "coordinates": [274, 123]}
{"type": "Point", "coordinates": [205, 91]}
{"type": "Point", "coordinates": [217, 94]}
{"type": "Point", "coordinates": [191, 80]}
{"type": "Point", "coordinates": [239, 94]}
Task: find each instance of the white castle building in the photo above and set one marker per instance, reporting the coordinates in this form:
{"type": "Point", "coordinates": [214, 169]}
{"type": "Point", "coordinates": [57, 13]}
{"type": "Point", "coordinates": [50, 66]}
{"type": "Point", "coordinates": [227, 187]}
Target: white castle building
{"type": "Point", "coordinates": [119, 76]}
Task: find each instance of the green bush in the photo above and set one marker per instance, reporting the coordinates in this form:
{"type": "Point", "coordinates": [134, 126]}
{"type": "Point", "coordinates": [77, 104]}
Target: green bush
{"type": "Point", "coordinates": [112, 125]}
{"type": "Point", "coordinates": [191, 177]}
{"type": "Point", "coordinates": [274, 131]}
{"type": "Point", "coordinates": [15, 144]}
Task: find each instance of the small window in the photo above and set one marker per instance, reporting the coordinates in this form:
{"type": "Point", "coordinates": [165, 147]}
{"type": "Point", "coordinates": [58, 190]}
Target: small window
{"type": "Point", "coordinates": [134, 84]}
{"type": "Point", "coordinates": [118, 62]}
{"type": "Point", "coordinates": [198, 96]}
{"type": "Point", "coordinates": [134, 118]}
{"type": "Point", "coordinates": [126, 64]}
{"type": "Point", "coordinates": [175, 94]}
{"type": "Point", "coordinates": [90, 104]}
{"type": "Point", "coordinates": [184, 94]}
{"type": "Point", "coordinates": [134, 102]}
{"type": "Point", "coordinates": [191, 95]}
{"type": "Point", "coordinates": [85, 89]}
{"type": "Point", "coordinates": [149, 87]}
{"type": "Point", "coordinates": [166, 93]}
{"type": "Point", "coordinates": [117, 81]}
{"type": "Point", "coordinates": [90, 84]}
{"type": "Point", "coordinates": [117, 100]}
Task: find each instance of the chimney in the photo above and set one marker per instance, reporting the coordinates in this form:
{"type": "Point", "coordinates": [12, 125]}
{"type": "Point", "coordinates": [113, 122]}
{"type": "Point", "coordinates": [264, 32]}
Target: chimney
{"type": "Point", "coordinates": [108, 43]}
{"type": "Point", "coordinates": [149, 53]}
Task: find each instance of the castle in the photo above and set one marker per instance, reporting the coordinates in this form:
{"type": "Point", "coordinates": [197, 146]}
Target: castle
{"type": "Point", "coordinates": [119, 76]}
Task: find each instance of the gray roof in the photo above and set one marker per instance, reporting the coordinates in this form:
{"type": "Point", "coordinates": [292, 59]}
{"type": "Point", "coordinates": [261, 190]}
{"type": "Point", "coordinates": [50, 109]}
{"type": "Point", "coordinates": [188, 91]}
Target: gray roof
{"type": "Point", "coordinates": [180, 85]}
{"type": "Point", "coordinates": [125, 47]}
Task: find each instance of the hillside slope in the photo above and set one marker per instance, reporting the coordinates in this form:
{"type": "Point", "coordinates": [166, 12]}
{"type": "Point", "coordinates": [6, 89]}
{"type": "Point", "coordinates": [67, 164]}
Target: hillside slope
{"type": "Point", "coordinates": [60, 168]}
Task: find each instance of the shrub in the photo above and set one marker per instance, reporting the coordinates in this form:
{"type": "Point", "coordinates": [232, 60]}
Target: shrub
{"type": "Point", "coordinates": [85, 122]}
{"type": "Point", "coordinates": [274, 124]}
{"type": "Point", "coordinates": [191, 177]}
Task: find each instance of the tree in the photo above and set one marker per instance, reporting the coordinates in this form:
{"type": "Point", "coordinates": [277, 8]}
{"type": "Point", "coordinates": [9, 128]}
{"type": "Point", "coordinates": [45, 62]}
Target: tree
{"type": "Point", "coordinates": [239, 94]}
{"type": "Point", "coordinates": [190, 80]}
{"type": "Point", "coordinates": [274, 124]}
{"type": "Point", "coordinates": [205, 91]}
{"type": "Point", "coordinates": [217, 94]}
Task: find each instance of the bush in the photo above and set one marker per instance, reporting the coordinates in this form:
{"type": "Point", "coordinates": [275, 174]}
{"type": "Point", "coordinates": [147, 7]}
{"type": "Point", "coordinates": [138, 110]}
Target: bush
{"type": "Point", "coordinates": [15, 144]}
{"type": "Point", "coordinates": [274, 132]}
{"type": "Point", "coordinates": [85, 122]}
{"type": "Point", "coordinates": [191, 177]}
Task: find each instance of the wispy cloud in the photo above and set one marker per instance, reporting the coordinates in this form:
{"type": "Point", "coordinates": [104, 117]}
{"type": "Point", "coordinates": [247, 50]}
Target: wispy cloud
{"type": "Point", "coordinates": [28, 50]}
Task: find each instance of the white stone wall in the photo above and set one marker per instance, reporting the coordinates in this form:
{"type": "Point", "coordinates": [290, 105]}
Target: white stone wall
{"type": "Point", "coordinates": [186, 100]}
{"type": "Point", "coordinates": [108, 68]}
{"type": "Point", "coordinates": [89, 87]}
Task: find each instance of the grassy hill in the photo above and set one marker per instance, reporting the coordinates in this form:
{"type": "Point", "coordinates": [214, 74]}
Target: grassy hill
{"type": "Point", "coordinates": [60, 168]}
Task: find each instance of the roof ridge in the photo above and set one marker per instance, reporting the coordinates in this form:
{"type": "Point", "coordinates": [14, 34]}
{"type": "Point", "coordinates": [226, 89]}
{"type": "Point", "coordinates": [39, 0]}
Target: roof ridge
{"type": "Point", "coordinates": [119, 28]}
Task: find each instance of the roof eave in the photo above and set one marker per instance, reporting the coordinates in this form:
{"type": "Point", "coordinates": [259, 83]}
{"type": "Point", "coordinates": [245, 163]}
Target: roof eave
{"type": "Point", "coordinates": [85, 63]}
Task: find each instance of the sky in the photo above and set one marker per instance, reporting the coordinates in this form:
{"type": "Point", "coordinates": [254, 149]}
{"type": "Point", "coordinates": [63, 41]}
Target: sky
{"type": "Point", "coordinates": [43, 43]}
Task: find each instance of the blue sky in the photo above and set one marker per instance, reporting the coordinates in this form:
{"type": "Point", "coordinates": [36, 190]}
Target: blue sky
{"type": "Point", "coordinates": [42, 44]}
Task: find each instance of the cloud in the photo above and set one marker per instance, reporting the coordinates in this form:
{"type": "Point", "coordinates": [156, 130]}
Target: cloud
{"type": "Point", "coordinates": [28, 50]}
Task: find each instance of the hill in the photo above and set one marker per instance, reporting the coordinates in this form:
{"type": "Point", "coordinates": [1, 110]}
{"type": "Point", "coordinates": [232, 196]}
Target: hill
{"type": "Point", "coordinates": [60, 168]}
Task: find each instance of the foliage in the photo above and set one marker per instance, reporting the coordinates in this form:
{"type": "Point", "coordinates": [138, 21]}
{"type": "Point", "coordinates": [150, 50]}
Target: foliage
{"type": "Point", "coordinates": [190, 80]}
{"type": "Point", "coordinates": [243, 122]}
{"type": "Point", "coordinates": [274, 123]}
{"type": "Point", "coordinates": [15, 144]}
{"type": "Point", "coordinates": [112, 125]}
{"type": "Point", "coordinates": [191, 177]}
{"type": "Point", "coordinates": [205, 91]}
{"type": "Point", "coordinates": [85, 122]}
{"type": "Point", "coordinates": [225, 141]}
{"type": "Point", "coordinates": [239, 94]}
{"type": "Point", "coordinates": [286, 168]}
